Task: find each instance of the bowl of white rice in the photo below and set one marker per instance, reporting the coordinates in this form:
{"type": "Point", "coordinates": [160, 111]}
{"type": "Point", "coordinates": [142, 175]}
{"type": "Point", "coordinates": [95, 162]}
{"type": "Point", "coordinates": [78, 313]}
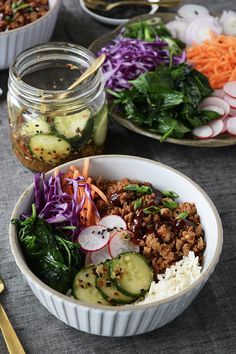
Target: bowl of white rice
{"type": "Point", "coordinates": [171, 292]}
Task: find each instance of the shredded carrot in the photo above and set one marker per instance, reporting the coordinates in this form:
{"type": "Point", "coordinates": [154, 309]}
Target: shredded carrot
{"type": "Point", "coordinates": [85, 169]}
{"type": "Point", "coordinates": [99, 192]}
{"type": "Point", "coordinates": [216, 59]}
{"type": "Point", "coordinates": [87, 215]}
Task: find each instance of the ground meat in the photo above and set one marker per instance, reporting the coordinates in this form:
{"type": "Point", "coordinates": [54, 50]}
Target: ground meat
{"type": "Point", "coordinates": [15, 13]}
{"type": "Point", "coordinates": [163, 238]}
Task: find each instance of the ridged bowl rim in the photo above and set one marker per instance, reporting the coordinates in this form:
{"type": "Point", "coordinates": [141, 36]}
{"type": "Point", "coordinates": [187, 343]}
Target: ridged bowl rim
{"type": "Point", "coordinates": [123, 308]}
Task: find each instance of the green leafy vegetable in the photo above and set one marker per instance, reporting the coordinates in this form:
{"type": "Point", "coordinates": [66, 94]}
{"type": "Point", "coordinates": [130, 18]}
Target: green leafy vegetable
{"type": "Point", "coordinates": [151, 210]}
{"type": "Point", "coordinates": [170, 194]}
{"type": "Point", "coordinates": [182, 215]}
{"type": "Point", "coordinates": [166, 101]}
{"type": "Point", "coordinates": [138, 189]}
{"type": "Point", "coordinates": [53, 258]}
{"type": "Point", "coordinates": [170, 204]}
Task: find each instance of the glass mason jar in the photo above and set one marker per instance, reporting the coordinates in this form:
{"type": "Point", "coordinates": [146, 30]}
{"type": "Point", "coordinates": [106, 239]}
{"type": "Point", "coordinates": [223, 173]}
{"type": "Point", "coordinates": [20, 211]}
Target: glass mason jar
{"type": "Point", "coordinates": [49, 124]}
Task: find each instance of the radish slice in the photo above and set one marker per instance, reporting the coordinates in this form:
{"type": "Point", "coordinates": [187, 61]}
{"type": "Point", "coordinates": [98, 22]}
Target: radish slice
{"type": "Point", "coordinates": [231, 125]}
{"type": "Point", "coordinates": [203, 132]}
{"type": "Point", "coordinates": [100, 256]}
{"type": "Point", "coordinates": [230, 88]}
{"type": "Point", "coordinates": [230, 100]}
{"type": "Point", "coordinates": [93, 238]}
{"type": "Point", "coordinates": [178, 28]}
{"type": "Point", "coordinates": [225, 125]}
{"type": "Point", "coordinates": [88, 260]}
{"type": "Point", "coordinates": [121, 242]}
{"type": "Point", "coordinates": [216, 109]}
{"type": "Point", "coordinates": [217, 127]}
{"type": "Point", "coordinates": [232, 112]}
{"type": "Point", "coordinates": [219, 93]}
{"type": "Point", "coordinates": [113, 222]}
{"type": "Point", "coordinates": [216, 101]}
{"type": "Point", "coordinates": [192, 11]}
{"type": "Point", "coordinates": [228, 21]}
{"type": "Point", "coordinates": [200, 29]}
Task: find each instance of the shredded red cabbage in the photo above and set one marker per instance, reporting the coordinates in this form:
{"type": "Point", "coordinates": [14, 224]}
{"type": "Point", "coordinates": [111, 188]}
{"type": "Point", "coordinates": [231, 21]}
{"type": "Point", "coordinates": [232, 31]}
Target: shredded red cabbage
{"type": "Point", "coordinates": [57, 207]}
{"type": "Point", "coordinates": [128, 58]}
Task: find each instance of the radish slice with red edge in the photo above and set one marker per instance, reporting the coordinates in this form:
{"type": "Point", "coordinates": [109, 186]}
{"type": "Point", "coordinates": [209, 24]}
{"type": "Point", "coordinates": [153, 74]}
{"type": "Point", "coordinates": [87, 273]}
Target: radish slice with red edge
{"type": "Point", "coordinates": [232, 112]}
{"type": "Point", "coordinates": [100, 255]}
{"type": "Point", "coordinates": [216, 109]}
{"type": "Point", "coordinates": [219, 93]}
{"type": "Point", "coordinates": [217, 127]}
{"type": "Point", "coordinates": [231, 125]}
{"type": "Point", "coordinates": [88, 260]}
{"type": "Point", "coordinates": [225, 125]}
{"type": "Point", "coordinates": [121, 242]}
{"type": "Point", "coordinates": [203, 132]}
{"type": "Point", "coordinates": [190, 11]}
{"type": "Point", "coordinates": [93, 238]}
{"type": "Point", "coordinates": [113, 222]}
{"type": "Point", "coordinates": [230, 88]}
{"type": "Point", "coordinates": [230, 100]}
{"type": "Point", "coordinates": [216, 101]}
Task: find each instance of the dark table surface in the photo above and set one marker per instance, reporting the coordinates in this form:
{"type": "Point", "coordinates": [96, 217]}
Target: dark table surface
{"type": "Point", "coordinates": [209, 324]}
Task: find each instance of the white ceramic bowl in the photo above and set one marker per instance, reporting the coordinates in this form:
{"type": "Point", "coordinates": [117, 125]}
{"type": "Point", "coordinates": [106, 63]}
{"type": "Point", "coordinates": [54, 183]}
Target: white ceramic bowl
{"type": "Point", "coordinates": [15, 41]}
{"type": "Point", "coordinates": [129, 319]}
{"type": "Point", "coordinates": [111, 21]}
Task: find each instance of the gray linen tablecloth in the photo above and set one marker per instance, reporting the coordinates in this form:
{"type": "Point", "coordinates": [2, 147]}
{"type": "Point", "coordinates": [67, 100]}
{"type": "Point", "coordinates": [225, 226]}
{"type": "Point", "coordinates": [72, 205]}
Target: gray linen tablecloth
{"type": "Point", "coordinates": [209, 324]}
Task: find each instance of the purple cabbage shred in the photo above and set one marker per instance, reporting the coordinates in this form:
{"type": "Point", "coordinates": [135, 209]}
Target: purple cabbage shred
{"type": "Point", "coordinates": [128, 58]}
{"type": "Point", "coordinates": [58, 207]}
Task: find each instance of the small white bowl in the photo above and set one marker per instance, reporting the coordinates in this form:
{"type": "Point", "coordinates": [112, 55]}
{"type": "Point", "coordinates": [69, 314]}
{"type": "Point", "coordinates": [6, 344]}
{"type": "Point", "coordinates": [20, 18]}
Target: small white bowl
{"type": "Point", "coordinates": [127, 320]}
{"type": "Point", "coordinates": [112, 21]}
{"type": "Point", "coordinates": [15, 41]}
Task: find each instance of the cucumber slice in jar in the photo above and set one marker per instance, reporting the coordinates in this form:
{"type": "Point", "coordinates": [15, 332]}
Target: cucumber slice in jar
{"type": "Point", "coordinates": [49, 148]}
{"type": "Point", "coordinates": [72, 126]}
{"type": "Point", "coordinates": [35, 126]}
{"type": "Point", "coordinates": [100, 128]}
{"type": "Point", "coordinates": [84, 287]}
{"type": "Point", "coordinates": [107, 288]}
{"type": "Point", "coordinates": [131, 274]}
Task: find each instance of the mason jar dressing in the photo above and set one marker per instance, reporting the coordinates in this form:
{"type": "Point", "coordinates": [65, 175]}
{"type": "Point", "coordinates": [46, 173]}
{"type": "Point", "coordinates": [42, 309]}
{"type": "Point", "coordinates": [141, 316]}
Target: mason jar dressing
{"type": "Point", "coordinates": [50, 125]}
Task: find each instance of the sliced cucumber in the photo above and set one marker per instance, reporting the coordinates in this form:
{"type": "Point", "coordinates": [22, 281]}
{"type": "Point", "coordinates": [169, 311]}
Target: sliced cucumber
{"type": "Point", "coordinates": [84, 287]}
{"type": "Point", "coordinates": [107, 288]}
{"type": "Point", "coordinates": [101, 126]}
{"type": "Point", "coordinates": [72, 126]}
{"type": "Point", "coordinates": [131, 274]}
{"type": "Point", "coordinates": [49, 148]}
{"type": "Point", "coordinates": [79, 142]}
{"type": "Point", "coordinates": [35, 126]}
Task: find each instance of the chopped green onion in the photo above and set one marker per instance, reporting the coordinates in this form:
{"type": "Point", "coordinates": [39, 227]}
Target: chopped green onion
{"type": "Point", "coordinates": [8, 19]}
{"type": "Point", "coordinates": [170, 194]}
{"type": "Point", "coordinates": [138, 189]}
{"type": "Point", "coordinates": [137, 203]}
{"type": "Point", "coordinates": [151, 210]}
{"type": "Point", "coordinates": [182, 215]}
{"type": "Point", "coordinates": [170, 204]}
{"type": "Point", "coordinates": [19, 6]}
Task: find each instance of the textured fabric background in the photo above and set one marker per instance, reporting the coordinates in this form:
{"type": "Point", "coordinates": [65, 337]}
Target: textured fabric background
{"type": "Point", "coordinates": [209, 324]}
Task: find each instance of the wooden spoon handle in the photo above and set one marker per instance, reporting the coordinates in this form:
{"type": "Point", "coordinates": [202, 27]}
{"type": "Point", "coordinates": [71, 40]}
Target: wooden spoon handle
{"type": "Point", "coordinates": [13, 344]}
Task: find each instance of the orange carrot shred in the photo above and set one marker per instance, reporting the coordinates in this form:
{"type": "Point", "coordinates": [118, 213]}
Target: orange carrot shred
{"type": "Point", "coordinates": [215, 58]}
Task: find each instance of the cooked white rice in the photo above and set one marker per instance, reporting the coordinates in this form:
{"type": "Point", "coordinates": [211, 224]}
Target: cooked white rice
{"type": "Point", "coordinates": [176, 278]}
